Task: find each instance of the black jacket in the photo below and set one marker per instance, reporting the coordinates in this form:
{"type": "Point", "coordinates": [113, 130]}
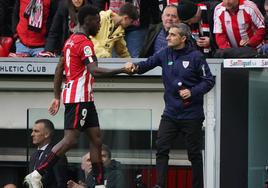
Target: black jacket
{"type": "Point", "coordinates": [149, 12]}
{"type": "Point", "coordinates": [148, 45]}
{"type": "Point", "coordinates": [57, 176]}
{"type": "Point", "coordinates": [6, 8]}
{"type": "Point", "coordinates": [59, 30]}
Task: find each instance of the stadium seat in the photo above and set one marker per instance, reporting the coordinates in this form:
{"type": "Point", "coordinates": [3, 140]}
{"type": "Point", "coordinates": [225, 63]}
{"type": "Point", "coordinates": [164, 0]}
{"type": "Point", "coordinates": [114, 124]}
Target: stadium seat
{"type": "Point", "coordinates": [5, 45]}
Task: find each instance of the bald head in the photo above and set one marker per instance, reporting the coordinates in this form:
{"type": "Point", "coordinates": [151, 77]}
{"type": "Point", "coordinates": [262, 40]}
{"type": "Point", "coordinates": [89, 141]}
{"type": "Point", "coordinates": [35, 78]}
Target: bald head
{"type": "Point", "coordinates": [170, 16]}
{"type": "Point", "coordinates": [10, 185]}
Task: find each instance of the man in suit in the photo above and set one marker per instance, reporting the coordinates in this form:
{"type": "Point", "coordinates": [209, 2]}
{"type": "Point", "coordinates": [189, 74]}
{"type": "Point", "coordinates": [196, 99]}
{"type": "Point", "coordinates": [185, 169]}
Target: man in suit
{"type": "Point", "coordinates": [42, 136]}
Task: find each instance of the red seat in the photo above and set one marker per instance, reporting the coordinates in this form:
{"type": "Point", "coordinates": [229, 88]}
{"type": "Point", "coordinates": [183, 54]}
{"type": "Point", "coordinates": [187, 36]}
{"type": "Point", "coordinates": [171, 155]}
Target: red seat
{"type": "Point", "coordinates": [2, 51]}
{"type": "Point", "coordinates": [5, 45]}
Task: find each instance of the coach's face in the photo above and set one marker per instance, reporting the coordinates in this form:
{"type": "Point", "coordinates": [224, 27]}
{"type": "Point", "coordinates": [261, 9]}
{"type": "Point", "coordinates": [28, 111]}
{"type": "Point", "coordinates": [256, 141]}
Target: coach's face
{"type": "Point", "coordinates": [175, 39]}
{"type": "Point", "coordinates": [231, 5]}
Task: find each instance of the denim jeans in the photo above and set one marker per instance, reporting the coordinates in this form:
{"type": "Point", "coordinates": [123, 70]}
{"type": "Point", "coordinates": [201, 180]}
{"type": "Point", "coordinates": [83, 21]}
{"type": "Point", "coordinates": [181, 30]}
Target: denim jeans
{"type": "Point", "coordinates": [264, 49]}
{"type": "Point", "coordinates": [32, 52]}
{"type": "Point", "coordinates": [191, 130]}
{"type": "Point", "coordinates": [134, 40]}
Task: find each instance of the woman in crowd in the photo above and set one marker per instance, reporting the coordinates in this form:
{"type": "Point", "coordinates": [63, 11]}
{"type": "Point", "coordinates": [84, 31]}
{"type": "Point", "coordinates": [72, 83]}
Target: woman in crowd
{"type": "Point", "coordinates": [63, 25]}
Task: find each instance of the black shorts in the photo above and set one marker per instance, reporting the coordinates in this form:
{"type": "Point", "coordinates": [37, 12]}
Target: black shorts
{"type": "Point", "coordinates": [80, 116]}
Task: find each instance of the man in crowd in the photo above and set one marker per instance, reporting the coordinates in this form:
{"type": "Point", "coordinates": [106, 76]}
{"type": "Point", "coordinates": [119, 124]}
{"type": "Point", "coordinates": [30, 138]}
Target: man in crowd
{"type": "Point", "coordinates": [113, 174]}
{"type": "Point", "coordinates": [200, 18]}
{"type": "Point", "coordinates": [112, 31]}
{"type": "Point", "coordinates": [238, 23]}
{"type": "Point", "coordinates": [156, 37]}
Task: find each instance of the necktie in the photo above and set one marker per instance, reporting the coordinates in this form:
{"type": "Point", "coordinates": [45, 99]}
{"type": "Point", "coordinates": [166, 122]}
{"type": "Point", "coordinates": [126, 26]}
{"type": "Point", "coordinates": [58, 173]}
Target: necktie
{"type": "Point", "coordinates": [37, 158]}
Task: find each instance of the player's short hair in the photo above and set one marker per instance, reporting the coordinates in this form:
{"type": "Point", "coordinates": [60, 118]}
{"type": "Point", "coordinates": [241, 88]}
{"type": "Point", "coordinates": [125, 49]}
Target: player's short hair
{"type": "Point", "coordinates": [130, 10]}
{"type": "Point", "coordinates": [85, 11]}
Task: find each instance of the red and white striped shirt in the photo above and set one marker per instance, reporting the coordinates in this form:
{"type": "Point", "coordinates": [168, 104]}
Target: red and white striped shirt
{"type": "Point", "coordinates": [79, 81]}
{"type": "Point", "coordinates": [246, 24]}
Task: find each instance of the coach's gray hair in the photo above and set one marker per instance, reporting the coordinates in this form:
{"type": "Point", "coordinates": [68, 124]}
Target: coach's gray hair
{"type": "Point", "coordinates": [184, 29]}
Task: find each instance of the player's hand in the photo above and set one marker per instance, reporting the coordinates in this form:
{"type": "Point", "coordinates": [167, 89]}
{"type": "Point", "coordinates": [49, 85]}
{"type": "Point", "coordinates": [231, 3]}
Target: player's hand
{"type": "Point", "coordinates": [54, 107]}
{"type": "Point", "coordinates": [130, 68]}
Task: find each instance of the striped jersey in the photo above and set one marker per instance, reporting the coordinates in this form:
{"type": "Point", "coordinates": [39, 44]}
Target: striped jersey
{"type": "Point", "coordinates": [242, 25]}
{"type": "Point", "coordinates": [78, 50]}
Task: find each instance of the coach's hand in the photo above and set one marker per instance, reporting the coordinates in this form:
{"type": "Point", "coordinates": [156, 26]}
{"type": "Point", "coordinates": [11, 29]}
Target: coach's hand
{"type": "Point", "coordinates": [130, 68]}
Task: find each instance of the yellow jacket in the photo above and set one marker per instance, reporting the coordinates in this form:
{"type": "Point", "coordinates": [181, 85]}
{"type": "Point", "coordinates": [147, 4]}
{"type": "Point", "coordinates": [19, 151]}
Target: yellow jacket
{"type": "Point", "coordinates": [108, 38]}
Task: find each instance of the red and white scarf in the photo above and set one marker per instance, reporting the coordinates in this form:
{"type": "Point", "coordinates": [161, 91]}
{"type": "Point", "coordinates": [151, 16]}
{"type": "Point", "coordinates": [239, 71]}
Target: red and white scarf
{"type": "Point", "coordinates": [34, 13]}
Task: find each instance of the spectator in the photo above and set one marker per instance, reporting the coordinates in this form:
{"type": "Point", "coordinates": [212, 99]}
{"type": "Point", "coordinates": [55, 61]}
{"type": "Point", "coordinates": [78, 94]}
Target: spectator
{"type": "Point", "coordinates": [113, 174]}
{"type": "Point", "coordinates": [156, 37]}
{"type": "Point", "coordinates": [186, 77]}
{"type": "Point", "coordinates": [31, 23]}
{"type": "Point", "coordinates": [135, 34]}
{"type": "Point", "coordinates": [63, 25]}
{"type": "Point", "coordinates": [164, 3]}
{"type": "Point", "coordinates": [10, 185]}
{"type": "Point", "coordinates": [101, 4]}
{"type": "Point", "coordinates": [6, 36]}
{"type": "Point", "coordinates": [112, 32]}
{"type": "Point", "coordinates": [238, 23]}
{"type": "Point", "coordinates": [200, 18]}
{"type": "Point", "coordinates": [264, 48]}
{"type": "Point", "coordinates": [6, 17]}
{"type": "Point", "coordinates": [9, 175]}
{"type": "Point", "coordinates": [42, 135]}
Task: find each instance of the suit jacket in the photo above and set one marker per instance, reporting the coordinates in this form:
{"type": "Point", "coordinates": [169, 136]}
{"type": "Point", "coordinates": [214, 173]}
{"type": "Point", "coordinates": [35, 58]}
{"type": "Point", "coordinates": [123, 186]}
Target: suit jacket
{"type": "Point", "coordinates": [57, 176]}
